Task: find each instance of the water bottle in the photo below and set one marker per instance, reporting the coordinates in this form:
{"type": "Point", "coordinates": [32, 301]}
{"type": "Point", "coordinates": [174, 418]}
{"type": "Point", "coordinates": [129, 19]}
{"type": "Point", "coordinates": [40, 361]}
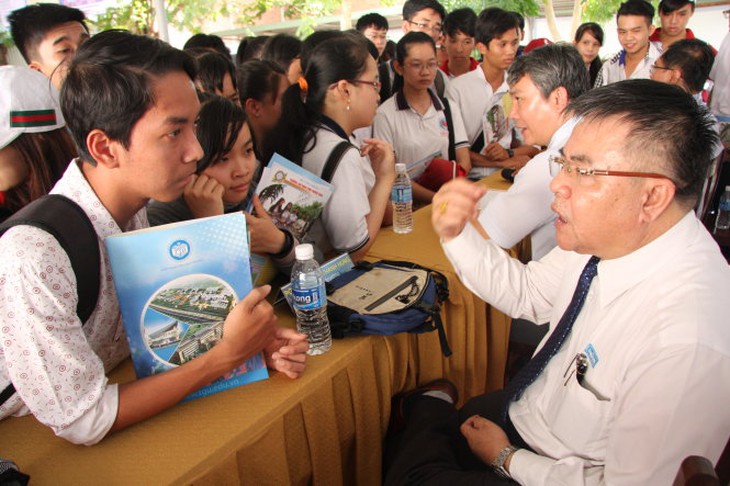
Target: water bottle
{"type": "Point", "coordinates": [723, 211]}
{"type": "Point", "coordinates": [310, 300]}
{"type": "Point", "coordinates": [402, 198]}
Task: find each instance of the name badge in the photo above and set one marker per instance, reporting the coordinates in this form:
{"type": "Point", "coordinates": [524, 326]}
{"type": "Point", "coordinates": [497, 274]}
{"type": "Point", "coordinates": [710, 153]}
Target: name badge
{"type": "Point", "coordinates": [590, 351]}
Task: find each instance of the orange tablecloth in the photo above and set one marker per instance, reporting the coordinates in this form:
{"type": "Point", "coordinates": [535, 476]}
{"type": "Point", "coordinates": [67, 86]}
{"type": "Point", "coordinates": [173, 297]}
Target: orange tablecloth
{"type": "Point", "coordinates": [325, 428]}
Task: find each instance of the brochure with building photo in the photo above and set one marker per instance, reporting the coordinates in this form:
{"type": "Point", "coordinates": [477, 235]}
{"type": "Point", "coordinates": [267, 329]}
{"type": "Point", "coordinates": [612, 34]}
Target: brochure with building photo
{"type": "Point", "coordinates": [293, 196]}
{"type": "Point", "coordinates": [176, 284]}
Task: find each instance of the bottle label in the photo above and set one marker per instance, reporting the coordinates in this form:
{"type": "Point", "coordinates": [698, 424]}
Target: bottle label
{"type": "Point", "coordinates": [401, 194]}
{"type": "Point", "coordinates": [309, 298]}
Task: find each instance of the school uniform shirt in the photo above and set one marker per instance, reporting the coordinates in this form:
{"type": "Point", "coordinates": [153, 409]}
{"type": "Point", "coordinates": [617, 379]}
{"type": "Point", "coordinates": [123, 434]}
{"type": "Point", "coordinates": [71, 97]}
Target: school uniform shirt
{"type": "Point", "coordinates": [614, 69]}
{"type": "Point", "coordinates": [484, 112]}
{"type": "Point", "coordinates": [416, 138]}
{"type": "Point", "coordinates": [57, 366]}
{"type": "Point", "coordinates": [342, 226]}
{"type": "Point", "coordinates": [473, 64]}
{"type": "Point", "coordinates": [688, 34]}
{"type": "Point", "coordinates": [654, 329]}
{"type": "Point", "coordinates": [525, 208]}
{"type": "Point", "coordinates": [359, 135]}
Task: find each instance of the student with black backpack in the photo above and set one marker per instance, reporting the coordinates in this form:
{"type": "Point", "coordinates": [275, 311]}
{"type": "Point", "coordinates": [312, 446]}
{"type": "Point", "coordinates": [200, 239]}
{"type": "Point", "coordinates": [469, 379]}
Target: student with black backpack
{"type": "Point", "coordinates": [133, 118]}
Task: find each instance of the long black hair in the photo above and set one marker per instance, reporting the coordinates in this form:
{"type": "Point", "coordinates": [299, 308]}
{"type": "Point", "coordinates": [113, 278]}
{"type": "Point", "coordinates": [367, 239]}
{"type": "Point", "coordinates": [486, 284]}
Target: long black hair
{"type": "Point", "coordinates": [282, 49]}
{"type": "Point", "coordinates": [329, 62]}
{"type": "Point", "coordinates": [219, 123]}
{"type": "Point", "coordinates": [256, 79]}
{"type": "Point", "coordinates": [596, 31]}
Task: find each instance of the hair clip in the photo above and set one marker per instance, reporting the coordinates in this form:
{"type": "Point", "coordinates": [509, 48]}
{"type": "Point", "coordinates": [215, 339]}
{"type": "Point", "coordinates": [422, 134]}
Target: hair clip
{"type": "Point", "coordinates": [303, 87]}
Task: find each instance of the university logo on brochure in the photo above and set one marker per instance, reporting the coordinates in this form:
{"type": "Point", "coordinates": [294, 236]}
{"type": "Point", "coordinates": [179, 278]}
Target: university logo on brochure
{"type": "Point", "coordinates": [179, 250]}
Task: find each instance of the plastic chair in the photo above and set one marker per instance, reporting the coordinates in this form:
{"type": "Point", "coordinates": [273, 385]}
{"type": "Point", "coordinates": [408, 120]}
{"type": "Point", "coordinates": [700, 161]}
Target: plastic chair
{"type": "Point", "coordinates": [696, 471]}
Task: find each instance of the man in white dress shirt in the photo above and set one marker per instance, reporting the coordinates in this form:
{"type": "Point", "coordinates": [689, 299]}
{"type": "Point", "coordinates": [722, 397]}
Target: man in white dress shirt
{"type": "Point", "coordinates": [541, 85]}
{"type": "Point", "coordinates": [130, 104]}
{"type": "Point", "coordinates": [634, 385]}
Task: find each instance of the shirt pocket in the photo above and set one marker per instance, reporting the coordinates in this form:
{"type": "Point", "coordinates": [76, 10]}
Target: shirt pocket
{"type": "Point", "coordinates": [580, 417]}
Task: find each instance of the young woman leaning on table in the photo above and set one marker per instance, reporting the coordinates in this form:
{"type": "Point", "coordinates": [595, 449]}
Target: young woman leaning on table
{"type": "Point", "coordinates": [224, 181]}
{"type": "Point", "coordinates": [338, 94]}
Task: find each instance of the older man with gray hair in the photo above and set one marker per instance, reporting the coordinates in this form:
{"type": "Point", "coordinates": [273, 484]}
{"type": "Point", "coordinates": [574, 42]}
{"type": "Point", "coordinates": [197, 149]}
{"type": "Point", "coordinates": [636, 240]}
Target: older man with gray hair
{"type": "Point", "coordinates": [541, 85]}
{"type": "Point", "coordinates": [628, 380]}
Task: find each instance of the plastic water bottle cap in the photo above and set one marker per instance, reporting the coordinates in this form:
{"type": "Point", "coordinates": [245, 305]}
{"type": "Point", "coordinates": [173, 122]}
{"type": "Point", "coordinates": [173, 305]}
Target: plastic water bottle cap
{"type": "Point", "coordinates": [400, 167]}
{"type": "Point", "coordinates": [305, 251]}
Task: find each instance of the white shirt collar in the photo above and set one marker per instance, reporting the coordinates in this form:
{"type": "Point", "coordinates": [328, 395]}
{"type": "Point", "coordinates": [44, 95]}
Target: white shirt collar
{"type": "Point", "coordinates": [620, 274]}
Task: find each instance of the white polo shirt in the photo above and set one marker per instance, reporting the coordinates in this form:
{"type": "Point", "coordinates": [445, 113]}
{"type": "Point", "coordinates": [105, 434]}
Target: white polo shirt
{"type": "Point", "coordinates": [342, 225]}
{"type": "Point", "coordinates": [614, 69]}
{"type": "Point", "coordinates": [416, 138]}
{"type": "Point", "coordinates": [484, 112]}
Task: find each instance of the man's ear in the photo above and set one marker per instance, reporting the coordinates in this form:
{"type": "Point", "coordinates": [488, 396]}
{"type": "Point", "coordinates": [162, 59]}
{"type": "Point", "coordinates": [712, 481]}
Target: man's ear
{"type": "Point", "coordinates": [657, 198]}
{"type": "Point", "coordinates": [559, 98]}
{"type": "Point", "coordinates": [36, 66]}
{"type": "Point", "coordinates": [482, 48]}
{"type": "Point", "coordinates": [677, 78]}
{"type": "Point", "coordinates": [652, 28]}
{"type": "Point", "coordinates": [104, 150]}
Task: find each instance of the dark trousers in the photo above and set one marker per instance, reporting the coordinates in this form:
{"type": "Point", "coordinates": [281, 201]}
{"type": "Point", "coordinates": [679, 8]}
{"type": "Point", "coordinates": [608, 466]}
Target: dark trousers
{"type": "Point", "coordinates": [431, 450]}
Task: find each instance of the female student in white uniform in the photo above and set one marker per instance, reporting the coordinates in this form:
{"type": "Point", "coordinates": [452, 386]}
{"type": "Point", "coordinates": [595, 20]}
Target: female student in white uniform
{"type": "Point", "coordinates": [415, 121]}
{"type": "Point", "coordinates": [338, 94]}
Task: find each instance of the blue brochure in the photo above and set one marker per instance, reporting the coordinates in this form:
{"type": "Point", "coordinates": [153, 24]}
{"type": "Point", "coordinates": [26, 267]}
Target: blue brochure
{"type": "Point", "coordinates": [176, 284]}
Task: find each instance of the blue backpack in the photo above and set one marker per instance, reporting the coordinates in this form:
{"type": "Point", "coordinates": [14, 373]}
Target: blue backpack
{"type": "Point", "coordinates": [388, 297]}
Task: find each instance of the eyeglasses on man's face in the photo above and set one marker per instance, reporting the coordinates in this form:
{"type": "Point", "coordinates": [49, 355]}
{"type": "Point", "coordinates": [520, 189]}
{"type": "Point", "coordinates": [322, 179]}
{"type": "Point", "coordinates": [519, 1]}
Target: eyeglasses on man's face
{"type": "Point", "coordinates": [424, 26]}
{"type": "Point", "coordinates": [654, 67]}
{"type": "Point", "coordinates": [558, 164]}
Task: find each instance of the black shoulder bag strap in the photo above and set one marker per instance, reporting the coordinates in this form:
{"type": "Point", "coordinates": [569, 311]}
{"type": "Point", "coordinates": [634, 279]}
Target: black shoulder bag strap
{"type": "Point", "coordinates": [69, 224]}
{"type": "Point", "coordinates": [450, 125]}
{"type": "Point", "coordinates": [439, 83]}
{"type": "Point", "coordinates": [434, 310]}
{"type": "Point", "coordinates": [478, 143]}
{"type": "Point", "coordinates": [385, 86]}
{"type": "Point", "coordinates": [328, 171]}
